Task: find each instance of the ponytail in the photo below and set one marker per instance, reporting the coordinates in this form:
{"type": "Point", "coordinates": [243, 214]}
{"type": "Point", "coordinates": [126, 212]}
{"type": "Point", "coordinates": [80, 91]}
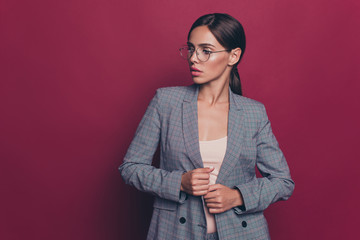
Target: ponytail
{"type": "Point", "coordinates": [235, 83]}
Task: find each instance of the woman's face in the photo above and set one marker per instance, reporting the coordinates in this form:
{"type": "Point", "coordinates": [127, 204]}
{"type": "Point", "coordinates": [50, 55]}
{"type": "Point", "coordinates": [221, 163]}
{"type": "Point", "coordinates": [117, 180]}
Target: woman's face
{"type": "Point", "coordinates": [217, 67]}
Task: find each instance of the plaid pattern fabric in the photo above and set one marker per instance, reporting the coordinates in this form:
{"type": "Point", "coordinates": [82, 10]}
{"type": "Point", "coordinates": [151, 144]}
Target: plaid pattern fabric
{"type": "Point", "coordinates": [171, 121]}
{"type": "Point", "coordinates": [212, 236]}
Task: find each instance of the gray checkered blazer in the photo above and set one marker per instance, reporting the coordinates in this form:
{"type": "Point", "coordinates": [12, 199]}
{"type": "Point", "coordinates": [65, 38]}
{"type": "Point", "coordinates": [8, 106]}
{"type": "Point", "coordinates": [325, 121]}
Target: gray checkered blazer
{"type": "Point", "coordinates": [171, 120]}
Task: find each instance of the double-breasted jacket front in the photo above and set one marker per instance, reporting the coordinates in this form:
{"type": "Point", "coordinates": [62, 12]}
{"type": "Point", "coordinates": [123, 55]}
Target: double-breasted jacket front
{"type": "Point", "coordinates": [171, 120]}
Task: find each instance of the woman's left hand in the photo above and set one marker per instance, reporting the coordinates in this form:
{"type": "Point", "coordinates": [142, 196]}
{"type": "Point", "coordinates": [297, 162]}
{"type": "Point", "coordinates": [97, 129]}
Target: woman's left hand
{"type": "Point", "coordinates": [221, 198]}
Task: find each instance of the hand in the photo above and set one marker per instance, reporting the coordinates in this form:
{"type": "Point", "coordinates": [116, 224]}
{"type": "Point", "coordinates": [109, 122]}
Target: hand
{"type": "Point", "coordinates": [221, 198]}
{"type": "Point", "coordinates": [196, 182]}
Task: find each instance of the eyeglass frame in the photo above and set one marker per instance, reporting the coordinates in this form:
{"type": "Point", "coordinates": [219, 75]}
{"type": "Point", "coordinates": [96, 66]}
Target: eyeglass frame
{"type": "Point", "coordinates": [197, 54]}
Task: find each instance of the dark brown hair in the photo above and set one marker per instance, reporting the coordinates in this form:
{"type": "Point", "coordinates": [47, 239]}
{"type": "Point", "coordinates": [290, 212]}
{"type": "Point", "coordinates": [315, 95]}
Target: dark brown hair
{"type": "Point", "coordinates": [230, 34]}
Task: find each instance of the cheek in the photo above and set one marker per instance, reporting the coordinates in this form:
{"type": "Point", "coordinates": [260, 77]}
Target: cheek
{"type": "Point", "coordinates": [216, 65]}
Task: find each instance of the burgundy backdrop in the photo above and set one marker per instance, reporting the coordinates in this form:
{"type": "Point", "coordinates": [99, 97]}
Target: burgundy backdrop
{"type": "Point", "coordinates": [77, 76]}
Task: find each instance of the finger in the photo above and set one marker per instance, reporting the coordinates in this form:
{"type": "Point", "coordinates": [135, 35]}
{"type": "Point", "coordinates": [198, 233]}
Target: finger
{"type": "Point", "coordinates": [215, 187]}
{"type": "Point", "coordinates": [214, 205]}
{"type": "Point", "coordinates": [199, 193]}
{"type": "Point", "coordinates": [211, 200]}
{"type": "Point", "coordinates": [196, 181]}
{"type": "Point", "coordinates": [210, 195]}
{"type": "Point", "coordinates": [202, 176]}
{"type": "Point", "coordinates": [201, 182]}
{"type": "Point", "coordinates": [204, 170]}
{"type": "Point", "coordinates": [200, 188]}
{"type": "Point", "coordinates": [216, 210]}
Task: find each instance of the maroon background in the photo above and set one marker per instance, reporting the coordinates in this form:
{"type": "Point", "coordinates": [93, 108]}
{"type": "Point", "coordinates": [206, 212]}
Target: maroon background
{"type": "Point", "coordinates": [77, 76]}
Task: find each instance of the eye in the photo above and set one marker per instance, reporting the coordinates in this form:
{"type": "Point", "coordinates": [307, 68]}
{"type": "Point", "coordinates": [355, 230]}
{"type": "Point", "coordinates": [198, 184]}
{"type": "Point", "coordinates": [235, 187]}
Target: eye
{"type": "Point", "coordinates": [206, 52]}
{"type": "Point", "coordinates": [190, 49]}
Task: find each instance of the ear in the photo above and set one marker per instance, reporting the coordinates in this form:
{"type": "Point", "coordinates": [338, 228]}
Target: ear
{"type": "Point", "coordinates": [234, 56]}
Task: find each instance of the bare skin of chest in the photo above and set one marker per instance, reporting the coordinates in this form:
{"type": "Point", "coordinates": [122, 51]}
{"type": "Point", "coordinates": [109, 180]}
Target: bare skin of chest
{"type": "Point", "coordinates": [212, 120]}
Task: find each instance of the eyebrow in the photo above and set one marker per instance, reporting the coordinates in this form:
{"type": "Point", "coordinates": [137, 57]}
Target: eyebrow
{"type": "Point", "coordinates": [202, 44]}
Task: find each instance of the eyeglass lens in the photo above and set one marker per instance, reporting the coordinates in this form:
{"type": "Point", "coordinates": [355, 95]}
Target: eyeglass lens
{"type": "Point", "coordinates": [186, 52]}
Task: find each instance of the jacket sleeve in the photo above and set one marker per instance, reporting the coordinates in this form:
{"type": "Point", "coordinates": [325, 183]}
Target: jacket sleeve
{"type": "Point", "coordinates": [136, 169]}
{"type": "Point", "coordinates": [276, 183]}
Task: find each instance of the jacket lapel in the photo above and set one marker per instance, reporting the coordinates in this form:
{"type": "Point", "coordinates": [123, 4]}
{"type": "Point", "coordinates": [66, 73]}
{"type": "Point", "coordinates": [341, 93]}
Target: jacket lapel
{"type": "Point", "coordinates": [191, 132]}
{"type": "Point", "coordinates": [234, 146]}
{"type": "Point", "coordinates": [190, 126]}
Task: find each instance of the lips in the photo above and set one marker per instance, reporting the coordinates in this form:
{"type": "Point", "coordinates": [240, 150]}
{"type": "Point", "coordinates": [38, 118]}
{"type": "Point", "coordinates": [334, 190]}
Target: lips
{"type": "Point", "coordinates": [194, 69]}
{"type": "Point", "coordinates": [195, 72]}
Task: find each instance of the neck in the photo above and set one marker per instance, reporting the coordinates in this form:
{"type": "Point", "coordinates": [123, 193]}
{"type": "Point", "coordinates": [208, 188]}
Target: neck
{"type": "Point", "coordinates": [214, 92]}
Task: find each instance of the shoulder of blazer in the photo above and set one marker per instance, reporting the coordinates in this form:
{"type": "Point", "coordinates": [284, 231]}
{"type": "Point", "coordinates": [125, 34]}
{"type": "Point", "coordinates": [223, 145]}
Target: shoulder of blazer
{"type": "Point", "coordinates": [248, 104]}
{"type": "Point", "coordinates": [255, 111]}
{"type": "Point", "coordinates": [174, 96]}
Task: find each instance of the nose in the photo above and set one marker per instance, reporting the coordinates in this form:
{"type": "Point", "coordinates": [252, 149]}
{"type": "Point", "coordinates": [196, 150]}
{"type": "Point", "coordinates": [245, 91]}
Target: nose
{"type": "Point", "coordinates": [193, 57]}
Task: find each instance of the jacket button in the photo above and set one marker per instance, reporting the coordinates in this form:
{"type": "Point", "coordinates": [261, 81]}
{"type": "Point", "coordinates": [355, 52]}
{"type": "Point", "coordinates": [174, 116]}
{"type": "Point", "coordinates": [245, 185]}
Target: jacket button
{"type": "Point", "coordinates": [182, 220]}
{"type": "Point", "coordinates": [244, 224]}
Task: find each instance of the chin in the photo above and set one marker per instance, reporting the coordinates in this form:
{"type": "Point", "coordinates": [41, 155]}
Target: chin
{"type": "Point", "coordinates": [201, 81]}
{"type": "Point", "coordinates": [198, 80]}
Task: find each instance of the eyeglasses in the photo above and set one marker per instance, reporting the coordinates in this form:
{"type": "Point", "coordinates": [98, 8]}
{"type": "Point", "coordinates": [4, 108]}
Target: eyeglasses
{"type": "Point", "coordinates": [201, 52]}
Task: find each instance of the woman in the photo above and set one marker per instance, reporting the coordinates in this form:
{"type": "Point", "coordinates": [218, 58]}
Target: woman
{"type": "Point", "coordinates": [210, 139]}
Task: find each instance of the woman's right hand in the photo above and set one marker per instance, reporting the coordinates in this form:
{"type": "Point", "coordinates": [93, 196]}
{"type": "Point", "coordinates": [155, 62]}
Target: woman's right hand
{"type": "Point", "coordinates": [196, 182]}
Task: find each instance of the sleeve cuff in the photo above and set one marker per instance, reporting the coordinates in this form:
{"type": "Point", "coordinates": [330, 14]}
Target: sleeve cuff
{"type": "Point", "coordinates": [180, 195]}
{"type": "Point", "coordinates": [242, 208]}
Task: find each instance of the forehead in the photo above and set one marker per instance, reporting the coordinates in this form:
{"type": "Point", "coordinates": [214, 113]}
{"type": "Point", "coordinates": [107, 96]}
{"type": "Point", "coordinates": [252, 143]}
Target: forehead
{"type": "Point", "coordinates": [201, 35]}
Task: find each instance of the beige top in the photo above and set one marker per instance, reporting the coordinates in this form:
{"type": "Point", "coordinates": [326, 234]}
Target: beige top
{"type": "Point", "coordinates": [212, 153]}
